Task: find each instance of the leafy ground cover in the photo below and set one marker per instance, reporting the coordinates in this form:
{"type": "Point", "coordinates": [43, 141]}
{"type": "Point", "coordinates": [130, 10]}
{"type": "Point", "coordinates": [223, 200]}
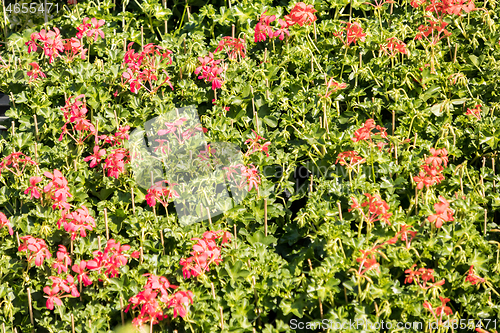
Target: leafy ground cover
{"type": "Point", "coordinates": [369, 142]}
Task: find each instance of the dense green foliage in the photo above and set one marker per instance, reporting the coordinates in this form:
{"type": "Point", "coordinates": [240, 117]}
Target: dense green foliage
{"type": "Point", "coordinates": [305, 268]}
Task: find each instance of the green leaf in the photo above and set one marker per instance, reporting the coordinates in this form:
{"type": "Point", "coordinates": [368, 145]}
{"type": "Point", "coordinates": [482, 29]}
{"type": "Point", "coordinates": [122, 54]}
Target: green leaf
{"type": "Point", "coordinates": [271, 121]}
{"type": "Point", "coordinates": [258, 237]}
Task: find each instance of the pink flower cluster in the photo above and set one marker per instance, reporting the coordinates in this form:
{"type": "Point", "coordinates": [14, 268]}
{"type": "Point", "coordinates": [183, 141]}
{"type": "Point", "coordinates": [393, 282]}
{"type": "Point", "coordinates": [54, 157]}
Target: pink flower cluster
{"type": "Point", "coordinates": [235, 47]}
{"type": "Point", "coordinates": [63, 260]}
{"type": "Point", "coordinates": [210, 72]}
{"type": "Point", "coordinates": [51, 41]}
{"type": "Point", "coordinates": [74, 47]}
{"type": "Point", "coordinates": [451, 7]}
{"type": "Point", "coordinates": [432, 168]}
{"type": "Point", "coordinates": [369, 261]}
{"type": "Point", "coordinates": [440, 310]}
{"type": "Point", "coordinates": [115, 162]}
{"type": "Point", "coordinates": [351, 33]}
{"type": "Point", "coordinates": [205, 252]}
{"type": "Point", "coordinates": [473, 278]}
{"type": "Point", "coordinates": [57, 190]}
{"type": "Point", "coordinates": [365, 133]}
{"type": "Point", "coordinates": [16, 163]}
{"type": "Point", "coordinates": [443, 212]}
{"type": "Point", "coordinates": [476, 112]}
{"type": "Point", "coordinates": [90, 28]}
{"type": "Point", "coordinates": [378, 209]}
{"type": "Point", "coordinates": [4, 222]}
{"type": "Point", "coordinates": [57, 290]}
{"type": "Point", "coordinates": [82, 276]}
{"type": "Point", "coordinates": [74, 113]}
{"type": "Point", "coordinates": [300, 14]}
{"type": "Point", "coordinates": [35, 248]}
{"type": "Point", "coordinates": [144, 66]}
{"type": "Point", "coordinates": [254, 145]}
{"type": "Point", "coordinates": [160, 193]}
{"type": "Point", "coordinates": [249, 176]}
{"type": "Point", "coordinates": [263, 29]}
{"type": "Point", "coordinates": [180, 134]}
{"type": "Point", "coordinates": [35, 72]}
{"type": "Point", "coordinates": [109, 261]}
{"type": "Point", "coordinates": [333, 86]}
{"type": "Point", "coordinates": [353, 156]}
{"type": "Point", "coordinates": [406, 234]}
{"type": "Point", "coordinates": [150, 299]}
{"type": "Point", "coordinates": [426, 274]}
{"type": "Point", "coordinates": [77, 222]}
{"type": "Point", "coordinates": [435, 29]}
{"type": "Point", "coordinates": [393, 46]}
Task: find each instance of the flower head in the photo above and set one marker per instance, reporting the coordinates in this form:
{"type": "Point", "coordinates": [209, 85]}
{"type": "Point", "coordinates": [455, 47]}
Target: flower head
{"type": "Point", "coordinates": [4, 222]}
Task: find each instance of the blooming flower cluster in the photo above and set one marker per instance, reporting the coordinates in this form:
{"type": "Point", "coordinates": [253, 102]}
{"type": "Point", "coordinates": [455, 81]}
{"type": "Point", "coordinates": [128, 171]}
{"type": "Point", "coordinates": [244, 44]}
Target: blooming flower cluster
{"type": "Point", "coordinates": [369, 260]}
{"type": "Point", "coordinates": [204, 253]}
{"type": "Point", "coordinates": [63, 260]}
{"type": "Point", "coordinates": [393, 46]}
{"type": "Point", "coordinates": [473, 278]}
{"type": "Point", "coordinates": [77, 222]}
{"type": "Point", "coordinates": [90, 28]}
{"type": "Point", "coordinates": [51, 43]}
{"type": "Point", "coordinates": [425, 274]}
{"type": "Point", "coordinates": [154, 297]}
{"type": "Point", "coordinates": [249, 175]}
{"type": "Point", "coordinates": [432, 168]}
{"type": "Point", "coordinates": [57, 190]}
{"type": "Point", "coordinates": [333, 86]}
{"type": "Point", "coordinates": [109, 261]}
{"type": "Point", "coordinates": [365, 133]}
{"type": "Point", "coordinates": [158, 192]}
{"type": "Point", "coordinates": [443, 213]}
{"type": "Point", "coordinates": [74, 113]}
{"type": "Point", "coordinates": [352, 156]}
{"type": "Point", "coordinates": [263, 29]}
{"type": "Point", "coordinates": [58, 288]}
{"type": "Point", "coordinates": [406, 235]}
{"type": "Point", "coordinates": [145, 66]}
{"type": "Point", "coordinates": [440, 310]}
{"type": "Point", "coordinates": [300, 14]}
{"type": "Point", "coordinates": [378, 209]}
{"type": "Point", "coordinates": [4, 222]}
{"type": "Point", "coordinates": [234, 47]}
{"type": "Point", "coordinates": [114, 164]}
{"type": "Point", "coordinates": [351, 33]}
{"type": "Point", "coordinates": [475, 112]}
{"type": "Point", "coordinates": [436, 29]}
{"type": "Point", "coordinates": [80, 270]}
{"type": "Point", "coordinates": [74, 47]}
{"type": "Point", "coordinates": [210, 71]}
{"type": "Point", "coordinates": [35, 73]}
{"type": "Point", "coordinates": [180, 134]}
{"type": "Point", "coordinates": [451, 7]}
{"type": "Point", "coordinates": [35, 248]}
{"type": "Point", "coordinates": [16, 163]}
{"type": "Point", "coordinates": [254, 145]}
